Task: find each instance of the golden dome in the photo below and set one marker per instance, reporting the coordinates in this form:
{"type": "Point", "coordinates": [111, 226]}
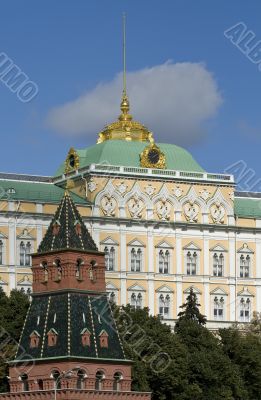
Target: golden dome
{"type": "Point", "coordinates": [125, 128]}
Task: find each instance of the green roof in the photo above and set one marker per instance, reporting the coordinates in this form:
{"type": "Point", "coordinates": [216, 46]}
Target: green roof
{"type": "Point", "coordinates": [247, 207]}
{"type": "Point", "coordinates": [36, 192]}
{"type": "Point", "coordinates": [122, 152]}
{"type": "Point", "coordinates": [67, 230]}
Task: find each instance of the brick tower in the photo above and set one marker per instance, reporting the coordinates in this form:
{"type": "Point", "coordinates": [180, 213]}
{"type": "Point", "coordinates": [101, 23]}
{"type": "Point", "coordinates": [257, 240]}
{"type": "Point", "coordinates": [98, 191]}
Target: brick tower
{"type": "Point", "coordinates": [69, 347]}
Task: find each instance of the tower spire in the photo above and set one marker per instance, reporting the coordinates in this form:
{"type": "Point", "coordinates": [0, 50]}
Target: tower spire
{"type": "Point", "coordinates": [124, 54]}
{"type": "Point", "coordinates": [125, 104]}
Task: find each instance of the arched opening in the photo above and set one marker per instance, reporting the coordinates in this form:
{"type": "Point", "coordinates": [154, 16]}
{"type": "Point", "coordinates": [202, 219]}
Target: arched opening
{"type": "Point", "coordinates": [80, 379]}
{"type": "Point", "coordinates": [56, 377]}
{"type": "Point", "coordinates": [24, 379]}
{"type": "Point", "coordinates": [78, 271]}
{"type": "Point", "coordinates": [40, 384]}
{"type": "Point", "coordinates": [45, 270]}
{"type": "Point", "coordinates": [98, 380]}
{"type": "Point", "coordinates": [117, 377]}
{"type": "Point", "coordinates": [58, 265]}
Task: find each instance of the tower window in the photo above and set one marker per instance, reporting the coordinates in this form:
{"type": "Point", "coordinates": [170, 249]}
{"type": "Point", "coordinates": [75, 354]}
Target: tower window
{"type": "Point", "coordinates": [117, 377]}
{"type": "Point", "coordinates": [24, 379]}
{"type": "Point", "coordinates": [103, 339]}
{"type": "Point", "coordinates": [98, 380]}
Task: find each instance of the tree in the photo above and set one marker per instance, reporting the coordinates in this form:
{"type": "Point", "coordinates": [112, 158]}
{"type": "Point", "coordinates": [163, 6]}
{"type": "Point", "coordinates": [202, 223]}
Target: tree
{"type": "Point", "coordinates": [191, 311]}
{"type": "Point", "coordinates": [13, 311]}
{"type": "Point", "coordinates": [244, 350]}
{"type": "Point", "coordinates": [211, 373]}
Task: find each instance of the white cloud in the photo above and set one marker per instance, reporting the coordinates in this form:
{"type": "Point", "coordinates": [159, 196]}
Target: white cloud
{"type": "Point", "coordinates": [172, 100]}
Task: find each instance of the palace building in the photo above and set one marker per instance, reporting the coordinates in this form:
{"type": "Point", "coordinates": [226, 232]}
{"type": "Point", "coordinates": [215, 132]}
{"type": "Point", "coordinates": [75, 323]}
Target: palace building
{"type": "Point", "coordinates": [164, 223]}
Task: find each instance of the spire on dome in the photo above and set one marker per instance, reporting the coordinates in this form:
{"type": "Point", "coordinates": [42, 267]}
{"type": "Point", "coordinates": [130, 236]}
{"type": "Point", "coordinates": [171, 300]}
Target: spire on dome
{"type": "Point", "coordinates": [67, 230]}
{"type": "Point", "coordinates": [125, 128]}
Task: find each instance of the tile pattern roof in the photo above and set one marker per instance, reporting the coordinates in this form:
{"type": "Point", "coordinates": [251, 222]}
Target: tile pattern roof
{"type": "Point", "coordinates": [67, 230]}
{"type": "Point", "coordinates": [34, 191]}
{"type": "Point", "coordinates": [69, 314]}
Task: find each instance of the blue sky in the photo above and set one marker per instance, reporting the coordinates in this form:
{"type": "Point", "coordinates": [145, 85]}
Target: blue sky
{"type": "Point", "coordinates": [68, 48]}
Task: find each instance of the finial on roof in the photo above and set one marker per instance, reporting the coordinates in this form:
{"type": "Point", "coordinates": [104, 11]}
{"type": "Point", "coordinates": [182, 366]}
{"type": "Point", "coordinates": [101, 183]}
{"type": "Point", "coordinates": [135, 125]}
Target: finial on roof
{"type": "Point", "coordinates": [125, 128]}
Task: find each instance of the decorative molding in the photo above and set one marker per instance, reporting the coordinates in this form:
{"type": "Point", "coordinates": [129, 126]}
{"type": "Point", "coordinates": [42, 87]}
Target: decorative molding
{"type": "Point", "coordinates": [191, 246]}
{"type": "Point", "coordinates": [245, 292]}
{"type": "Point", "coordinates": [164, 289]}
{"type": "Point", "coordinates": [136, 288]}
{"type": "Point", "coordinates": [136, 243]}
{"type": "Point", "coordinates": [164, 244]}
{"type": "Point", "coordinates": [218, 248]}
{"type": "Point", "coordinates": [245, 249]}
{"type": "Point", "coordinates": [219, 291]}
{"type": "Point", "coordinates": [109, 241]}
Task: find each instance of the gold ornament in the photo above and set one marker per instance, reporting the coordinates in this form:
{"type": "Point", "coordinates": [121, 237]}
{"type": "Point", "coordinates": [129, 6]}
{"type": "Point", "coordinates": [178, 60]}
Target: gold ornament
{"type": "Point", "coordinates": [72, 161]}
{"type": "Point", "coordinates": [152, 157]}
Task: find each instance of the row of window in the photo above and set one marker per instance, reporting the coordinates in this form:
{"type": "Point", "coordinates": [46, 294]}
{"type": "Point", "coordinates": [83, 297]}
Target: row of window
{"type": "Point", "coordinates": [136, 260]}
{"type": "Point", "coordinates": [164, 305]}
{"type": "Point", "coordinates": [81, 376]}
{"type": "Point", "coordinates": [164, 262]}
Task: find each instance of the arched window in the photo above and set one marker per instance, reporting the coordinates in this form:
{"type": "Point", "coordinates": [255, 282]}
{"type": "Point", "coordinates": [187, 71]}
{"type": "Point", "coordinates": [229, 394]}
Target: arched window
{"type": "Point", "coordinates": [27, 254]}
{"type": "Point", "coordinates": [192, 263]}
{"type": "Point", "coordinates": [117, 377]}
{"type": "Point", "coordinates": [164, 305]}
{"type": "Point", "coordinates": [57, 379]}
{"type": "Point", "coordinates": [164, 261]}
{"type": "Point", "coordinates": [58, 265]}
{"type": "Point", "coordinates": [80, 379]}
{"type": "Point", "coordinates": [78, 272]}
{"type": "Point", "coordinates": [136, 260]}
{"type": "Point", "coordinates": [45, 271]}
{"type": "Point", "coordinates": [22, 254]}
{"type": "Point", "coordinates": [218, 264]}
{"type": "Point", "coordinates": [219, 308]}
{"type": "Point", "coordinates": [244, 266]}
{"type": "Point", "coordinates": [40, 384]}
{"type": "Point", "coordinates": [136, 300]}
{"type": "Point", "coordinates": [109, 258]}
{"type": "Point", "coordinates": [98, 380]}
{"type": "Point", "coordinates": [24, 379]}
{"type": "Point", "coordinates": [244, 311]}
{"type": "Point", "coordinates": [1, 252]}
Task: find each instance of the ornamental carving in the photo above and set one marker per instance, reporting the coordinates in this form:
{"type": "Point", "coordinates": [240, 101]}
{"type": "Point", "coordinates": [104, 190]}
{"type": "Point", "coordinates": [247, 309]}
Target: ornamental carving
{"type": "Point", "coordinates": [122, 187]}
{"type": "Point", "coordinates": [191, 211]}
{"type": "Point", "coordinates": [152, 157]}
{"type": "Point", "coordinates": [136, 206]}
{"type": "Point", "coordinates": [163, 209]}
{"type": "Point", "coordinates": [177, 191]}
{"type": "Point", "coordinates": [217, 213]}
{"type": "Point", "coordinates": [92, 185]}
{"type": "Point", "coordinates": [205, 194]}
{"type": "Point", "coordinates": [150, 190]}
{"type": "Point", "coordinates": [72, 161]}
{"type": "Point", "coordinates": [108, 205]}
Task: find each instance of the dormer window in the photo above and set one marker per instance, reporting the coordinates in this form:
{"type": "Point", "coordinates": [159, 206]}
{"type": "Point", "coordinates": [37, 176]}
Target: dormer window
{"type": "Point", "coordinates": [103, 339]}
{"type": "Point", "coordinates": [78, 227]}
{"type": "Point", "coordinates": [86, 337]}
{"type": "Point", "coordinates": [56, 227]}
{"type": "Point", "coordinates": [52, 337]}
{"type": "Point", "coordinates": [34, 339]}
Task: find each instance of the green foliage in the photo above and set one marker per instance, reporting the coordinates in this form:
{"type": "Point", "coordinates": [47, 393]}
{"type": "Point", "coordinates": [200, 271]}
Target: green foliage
{"type": "Point", "coordinates": [191, 311]}
{"type": "Point", "coordinates": [13, 310]}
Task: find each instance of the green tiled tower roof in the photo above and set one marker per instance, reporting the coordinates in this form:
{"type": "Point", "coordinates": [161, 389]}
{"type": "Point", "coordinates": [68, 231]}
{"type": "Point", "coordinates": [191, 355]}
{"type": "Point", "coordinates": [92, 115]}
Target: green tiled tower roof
{"type": "Point", "coordinates": [127, 153]}
{"type": "Point", "coordinates": [69, 314]}
{"type": "Point", "coordinates": [67, 230]}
